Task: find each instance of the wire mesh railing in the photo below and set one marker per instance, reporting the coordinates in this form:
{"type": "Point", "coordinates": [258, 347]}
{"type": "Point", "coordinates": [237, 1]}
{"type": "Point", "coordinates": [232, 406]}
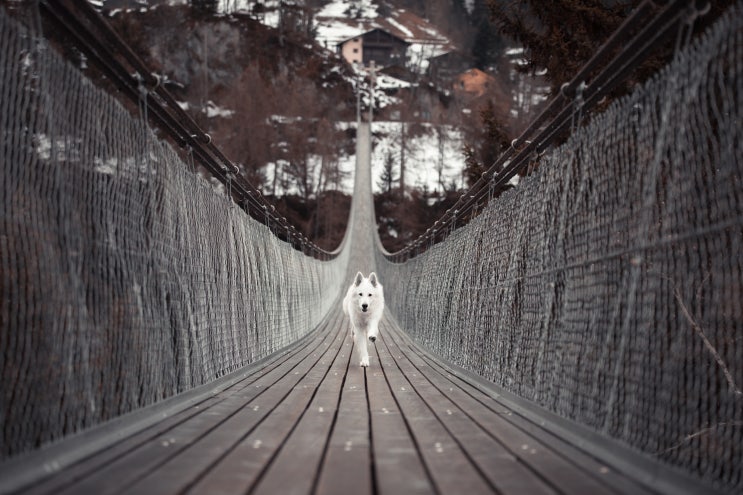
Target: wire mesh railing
{"type": "Point", "coordinates": [92, 35]}
{"type": "Point", "coordinates": [607, 287]}
{"type": "Point", "coordinates": [125, 278]}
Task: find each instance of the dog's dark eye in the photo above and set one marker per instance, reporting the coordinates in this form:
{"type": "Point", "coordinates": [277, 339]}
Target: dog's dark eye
{"type": "Point", "coordinates": [369, 295]}
{"type": "Point", "coordinates": [361, 294]}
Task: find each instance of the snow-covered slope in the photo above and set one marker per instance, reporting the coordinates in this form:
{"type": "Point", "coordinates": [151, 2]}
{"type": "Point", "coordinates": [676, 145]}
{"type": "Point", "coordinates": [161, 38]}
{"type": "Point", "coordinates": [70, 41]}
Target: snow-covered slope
{"type": "Point", "coordinates": [433, 158]}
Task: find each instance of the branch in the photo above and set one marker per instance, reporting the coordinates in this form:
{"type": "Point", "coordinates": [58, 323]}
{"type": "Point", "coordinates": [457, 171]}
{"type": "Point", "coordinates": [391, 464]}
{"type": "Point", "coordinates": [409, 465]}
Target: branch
{"type": "Point", "coordinates": [707, 343]}
{"type": "Point", "coordinates": [699, 433]}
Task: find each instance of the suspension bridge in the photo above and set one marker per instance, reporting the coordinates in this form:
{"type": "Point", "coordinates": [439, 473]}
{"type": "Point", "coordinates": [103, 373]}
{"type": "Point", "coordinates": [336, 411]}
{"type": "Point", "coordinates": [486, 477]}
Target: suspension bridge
{"type": "Point", "coordinates": [580, 333]}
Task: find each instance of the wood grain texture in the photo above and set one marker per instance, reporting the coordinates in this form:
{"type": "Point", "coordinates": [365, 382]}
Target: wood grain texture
{"type": "Point", "coordinates": [312, 421]}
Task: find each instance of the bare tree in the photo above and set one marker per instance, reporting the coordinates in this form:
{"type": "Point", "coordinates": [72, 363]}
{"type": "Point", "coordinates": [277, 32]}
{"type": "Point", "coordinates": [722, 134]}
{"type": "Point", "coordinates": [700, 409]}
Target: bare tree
{"type": "Point", "coordinates": [387, 177]}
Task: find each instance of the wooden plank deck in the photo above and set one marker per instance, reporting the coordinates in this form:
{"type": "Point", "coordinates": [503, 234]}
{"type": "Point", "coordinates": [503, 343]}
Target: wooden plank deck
{"type": "Point", "coordinates": [312, 421]}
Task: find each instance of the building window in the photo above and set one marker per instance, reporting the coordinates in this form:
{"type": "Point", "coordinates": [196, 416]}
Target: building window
{"type": "Point", "coordinates": [356, 50]}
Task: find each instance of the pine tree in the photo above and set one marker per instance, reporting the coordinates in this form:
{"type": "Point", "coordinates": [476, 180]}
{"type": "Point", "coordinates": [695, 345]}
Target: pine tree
{"type": "Point", "coordinates": [387, 177]}
{"type": "Point", "coordinates": [560, 35]}
{"type": "Point", "coordinates": [487, 45]}
{"type": "Point", "coordinates": [492, 143]}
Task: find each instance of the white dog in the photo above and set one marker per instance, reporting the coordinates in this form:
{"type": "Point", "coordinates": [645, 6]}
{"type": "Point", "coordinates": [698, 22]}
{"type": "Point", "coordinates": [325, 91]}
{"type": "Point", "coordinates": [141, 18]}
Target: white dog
{"type": "Point", "coordinates": [364, 305]}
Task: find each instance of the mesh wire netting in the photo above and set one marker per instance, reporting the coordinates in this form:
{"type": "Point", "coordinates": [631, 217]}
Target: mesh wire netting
{"type": "Point", "coordinates": [608, 286]}
{"type": "Point", "coordinates": [124, 277]}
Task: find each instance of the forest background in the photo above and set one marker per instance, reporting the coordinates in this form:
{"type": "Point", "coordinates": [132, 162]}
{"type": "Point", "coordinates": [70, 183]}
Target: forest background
{"type": "Point", "coordinates": [265, 80]}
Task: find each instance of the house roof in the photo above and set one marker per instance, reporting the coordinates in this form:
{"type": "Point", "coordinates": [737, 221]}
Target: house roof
{"type": "Point", "coordinates": [371, 31]}
{"type": "Point", "coordinates": [455, 54]}
{"type": "Point", "coordinates": [400, 22]}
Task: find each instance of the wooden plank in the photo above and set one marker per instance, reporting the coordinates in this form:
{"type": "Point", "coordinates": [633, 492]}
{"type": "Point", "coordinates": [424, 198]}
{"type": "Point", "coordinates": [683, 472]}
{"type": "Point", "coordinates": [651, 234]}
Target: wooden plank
{"type": "Point", "coordinates": [449, 466]}
{"type": "Point", "coordinates": [315, 422]}
{"type": "Point", "coordinates": [243, 466]}
{"type": "Point", "coordinates": [505, 472]}
{"type": "Point", "coordinates": [557, 460]}
{"type": "Point", "coordinates": [564, 466]}
{"type": "Point", "coordinates": [150, 456]}
{"type": "Point", "coordinates": [294, 470]}
{"type": "Point", "coordinates": [285, 396]}
{"type": "Point", "coordinates": [398, 467]}
{"type": "Point", "coordinates": [67, 480]}
{"type": "Point", "coordinates": [347, 466]}
{"type": "Point", "coordinates": [86, 467]}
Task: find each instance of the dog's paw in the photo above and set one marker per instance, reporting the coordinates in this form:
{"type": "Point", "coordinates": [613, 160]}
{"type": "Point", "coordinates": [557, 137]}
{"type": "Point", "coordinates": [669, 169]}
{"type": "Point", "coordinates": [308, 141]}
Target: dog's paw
{"type": "Point", "coordinates": [373, 338]}
{"type": "Point", "coordinates": [364, 362]}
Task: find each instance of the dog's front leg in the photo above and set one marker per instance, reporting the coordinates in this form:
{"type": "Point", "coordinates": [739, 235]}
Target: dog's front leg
{"type": "Point", "coordinates": [373, 331]}
{"type": "Point", "coordinates": [359, 341]}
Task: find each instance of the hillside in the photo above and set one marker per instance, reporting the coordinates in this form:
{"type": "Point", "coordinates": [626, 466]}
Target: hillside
{"type": "Point", "coordinates": [265, 81]}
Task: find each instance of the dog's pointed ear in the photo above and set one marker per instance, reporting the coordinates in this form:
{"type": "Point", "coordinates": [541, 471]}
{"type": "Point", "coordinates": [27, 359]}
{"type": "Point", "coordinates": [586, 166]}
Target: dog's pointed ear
{"type": "Point", "coordinates": [373, 279]}
{"type": "Point", "coordinates": [359, 279]}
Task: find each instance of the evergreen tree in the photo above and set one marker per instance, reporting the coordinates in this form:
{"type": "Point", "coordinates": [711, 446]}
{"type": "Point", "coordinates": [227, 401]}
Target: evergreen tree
{"type": "Point", "coordinates": [560, 35]}
{"type": "Point", "coordinates": [492, 143]}
{"type": "Point", "coordinates": [387, 177]}
{"type": "Point", "coordinates": [487, 45]}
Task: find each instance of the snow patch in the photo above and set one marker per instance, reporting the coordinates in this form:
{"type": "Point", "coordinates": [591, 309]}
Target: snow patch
{"type": "Point", "coordinates": [515, 51]}
{"type": "Point", "coordinates": [383, 81]}
{"type": "Point", "coordinates": [213, 110]}
{"type": "Point", "coordinates": [433, 159]}
{"type": "Point", "coordinates": [400, 27]}
{"type": "Point", "coordinates": [366, 9]}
